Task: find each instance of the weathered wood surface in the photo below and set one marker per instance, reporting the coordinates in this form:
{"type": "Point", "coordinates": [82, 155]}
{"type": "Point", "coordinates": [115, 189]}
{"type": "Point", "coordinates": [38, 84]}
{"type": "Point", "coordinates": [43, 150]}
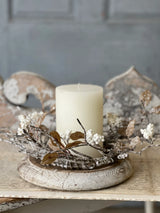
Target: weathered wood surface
{"type": "Point", "coordinates": [144, 185]}
{"type": "Point", "coordinates": [17, 88]}
{"type": "Point", "coordinates": [122, 96]}
{"type": "Point", "coordinates": [7, 111]}
{"type": "Point", "coordinates": [123, 91]}
{"type": "Point", "coordinates": [75, 180]}
{"type": "Point", "coordinates": [13, 203]}
{"type": "Point", "coordinates": [16, 91]}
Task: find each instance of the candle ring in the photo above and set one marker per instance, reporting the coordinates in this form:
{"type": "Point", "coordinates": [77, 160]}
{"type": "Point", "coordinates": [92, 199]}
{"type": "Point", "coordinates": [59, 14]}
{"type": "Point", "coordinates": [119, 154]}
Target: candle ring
{"type": "Point", "coordinates": [120, 138]}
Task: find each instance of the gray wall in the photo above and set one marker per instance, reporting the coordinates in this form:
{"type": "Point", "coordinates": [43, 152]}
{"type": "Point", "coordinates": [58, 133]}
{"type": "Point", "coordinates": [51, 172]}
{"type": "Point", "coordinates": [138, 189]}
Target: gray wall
{"type": "Point", "coordinates": [86, 41]}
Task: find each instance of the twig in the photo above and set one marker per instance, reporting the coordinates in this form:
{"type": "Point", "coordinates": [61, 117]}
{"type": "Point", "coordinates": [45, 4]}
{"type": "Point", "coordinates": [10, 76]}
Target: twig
{"type": "Point", "coordinates": [95, 147]}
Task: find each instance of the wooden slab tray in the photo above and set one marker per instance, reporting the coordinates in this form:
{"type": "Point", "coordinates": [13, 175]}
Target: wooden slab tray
{"type": "Point", "coordinates": [74, 180]}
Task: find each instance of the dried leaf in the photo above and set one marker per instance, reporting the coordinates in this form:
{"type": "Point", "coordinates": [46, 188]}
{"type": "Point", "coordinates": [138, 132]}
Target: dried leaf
{"type": "Point", "coordinates": [49, 158]}
{"type": "Point", "coordinates": [57, 137]}
{"type": "Point", "coordinates": [53, 145]}
{"type": "Point", "coordinates": [135, 141]}
{"type": "Point", "coordinates": [111, 118]}
{"type": "Point", "coordinates": [122, 128]}
{"type": "Point", "coordinates": [156, 110]}
{"type": "Point", "coordinates": [43, 127]}
{"type": "Point", "coordinates": [71, 145]}
{"type": "Point", "coordinates": [130, 128]}
{"type": "Point", "coordinates": [76, 135]}
{"type": "Point", "coordinates": [30, 134]}
{"type": "Point", "coordinates": [146, 97]}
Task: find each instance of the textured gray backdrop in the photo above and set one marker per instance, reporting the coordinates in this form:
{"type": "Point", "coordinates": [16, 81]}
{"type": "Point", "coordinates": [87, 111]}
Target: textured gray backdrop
{"type": "Point", "coordinates": [86, 41]}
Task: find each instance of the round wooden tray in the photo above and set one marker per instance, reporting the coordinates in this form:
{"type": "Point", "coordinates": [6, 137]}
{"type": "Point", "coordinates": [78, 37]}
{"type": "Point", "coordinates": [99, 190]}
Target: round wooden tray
{"type": "Point", "coordinates": [75, 180]}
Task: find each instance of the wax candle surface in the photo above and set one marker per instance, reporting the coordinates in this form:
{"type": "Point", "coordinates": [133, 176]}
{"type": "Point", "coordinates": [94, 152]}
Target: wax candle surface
{"type": "Point", "coordinates": [82, 101]}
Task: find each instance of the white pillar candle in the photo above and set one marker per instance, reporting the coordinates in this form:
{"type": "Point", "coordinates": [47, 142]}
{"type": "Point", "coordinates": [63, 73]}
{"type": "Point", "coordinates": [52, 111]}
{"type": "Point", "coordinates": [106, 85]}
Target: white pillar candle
{"type": "Point", "coordinates": [82, 101]}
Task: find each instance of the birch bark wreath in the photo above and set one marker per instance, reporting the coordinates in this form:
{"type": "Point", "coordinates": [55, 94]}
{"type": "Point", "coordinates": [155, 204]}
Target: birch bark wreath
{"type": "Point", "coordinates": [121, 137]}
